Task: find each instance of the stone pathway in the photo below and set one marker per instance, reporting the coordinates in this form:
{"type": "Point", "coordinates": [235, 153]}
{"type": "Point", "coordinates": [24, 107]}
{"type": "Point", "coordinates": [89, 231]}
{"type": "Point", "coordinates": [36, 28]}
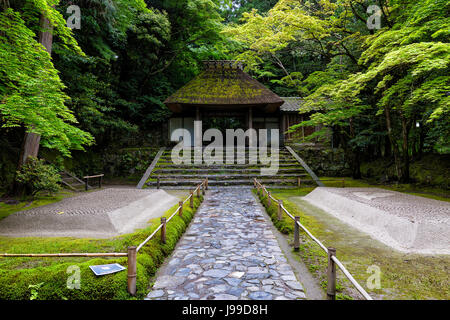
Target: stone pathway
{"type": "Point", "coordinates": [228, 253]}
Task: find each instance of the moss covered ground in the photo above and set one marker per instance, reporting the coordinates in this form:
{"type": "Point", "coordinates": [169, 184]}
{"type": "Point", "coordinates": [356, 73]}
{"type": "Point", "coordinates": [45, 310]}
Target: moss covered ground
{"type": "Point", "coordinates": [403, 276]}
{"type": "Point", "coordinates": [17, 274]}
{"type": "Point", "coordinates": [30, 203]}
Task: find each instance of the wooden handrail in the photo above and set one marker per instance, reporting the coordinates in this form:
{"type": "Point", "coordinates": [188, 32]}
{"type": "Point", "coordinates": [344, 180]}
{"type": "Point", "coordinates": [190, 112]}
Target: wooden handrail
{"type": "Point", "coordinates": [50, 255]}
{"type": "Point", "coordinates": [332, 259]}
{"type": "Point", "coordinates": [96, 176]}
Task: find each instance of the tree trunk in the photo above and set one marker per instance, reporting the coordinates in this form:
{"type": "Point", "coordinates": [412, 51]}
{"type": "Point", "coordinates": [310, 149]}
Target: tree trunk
{"type": "Point", "coordinates": [387, 113]}
{"type": "Point", "coordinates": [30, 146]}
{"type": "Point", "coordinates": [356, 159]}
{"type": "Point", "coordinates": [31, 142]}
{"type": "Point", "coordinates": [406, 126]}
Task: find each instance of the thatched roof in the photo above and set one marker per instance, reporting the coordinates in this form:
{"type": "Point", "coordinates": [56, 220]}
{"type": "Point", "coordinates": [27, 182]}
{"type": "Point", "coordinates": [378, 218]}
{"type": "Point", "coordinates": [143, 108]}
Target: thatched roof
{"type": "Point", "coordinates": [291, 104]}
{"type": "Point", "coordinates": [223, 84]}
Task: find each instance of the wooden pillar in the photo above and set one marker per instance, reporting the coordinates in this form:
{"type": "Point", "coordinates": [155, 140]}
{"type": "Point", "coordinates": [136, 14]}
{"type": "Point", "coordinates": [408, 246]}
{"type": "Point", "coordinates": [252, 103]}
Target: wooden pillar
{"type": "Point", "coordinates": [250, 126]}
{"type": "Point", "coordinates": [331, 274]}
{"type": "Point", "coordinates": [132, 270]}
{"type": "Point", "coordinates": [163, 229]}
{"type": "Point", "coordinates": [280, 213]}
{"type": "Point", "coordinates": [180, 212]}
{"type": "Point", "coordinates": [296, 234]}
{"type": "Point", "coordinates": [198, 131]}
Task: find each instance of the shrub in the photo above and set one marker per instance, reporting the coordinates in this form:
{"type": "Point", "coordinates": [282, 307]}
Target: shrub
{"type": "Point", "coordinates": [38, 177]}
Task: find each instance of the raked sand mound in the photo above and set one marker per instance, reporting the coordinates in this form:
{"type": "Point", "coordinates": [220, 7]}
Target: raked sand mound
{"type": "Point", "coordinates": [404, 222]}
{"type": "Point", "coordinates": [101, 214]}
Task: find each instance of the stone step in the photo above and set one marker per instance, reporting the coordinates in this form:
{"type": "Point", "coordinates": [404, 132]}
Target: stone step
{"type": "Point", "coordinates": [213, 187]}
{"type": "Point", "coordinates": [207, 171]}
{"type": "Point", "coordinates": [226, 166]}
{"type": "Point", "coordinates": [243, 182]}
{"type": "Point", "coordinates": [170, 177]}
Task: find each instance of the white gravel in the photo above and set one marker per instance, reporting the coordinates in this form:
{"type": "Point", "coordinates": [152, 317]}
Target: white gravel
{"type": "Point", "coordinates": [404, 222]}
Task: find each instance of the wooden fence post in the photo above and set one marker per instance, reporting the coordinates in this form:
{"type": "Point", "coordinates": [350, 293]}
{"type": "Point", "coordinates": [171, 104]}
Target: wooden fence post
{"type": "Point", "coordinates": [206, 186]}
{"type": "Point", "coordinates": [331, 273]}
{"type": "Point", "coordinates": [299, 182]}
{"type": "Point", "coordinates": [254, 182]}
{"type": "Point", "coordinates": [163, 229]}
{"type": "Point", "coordinates": [280, 214]}
{"type": "Point", "coordinates": [158, 182]}
{"type": "Point", "coordinates": [132, 270]}
{"type": "Point", "coordinates": [263, 192]}
{"type": "Point", "coordinates": [180, 212]}
{"type": "Point", "coordinates": [269, 200]}
{"type": "Point", "coordinates": [343, 183]}
{"type": "Point", "coordinates": [198, 192]}
{"type": "Point", "coordinates": [100, 182]}
{"type": "Point", "coordinates": [203, 188]}
{"type": "Point", "coordinates": [297, 234]}
{"type": "Point", "coordinates": [86, 184]}
{"type": "Point", "coordinates": [191, 200]}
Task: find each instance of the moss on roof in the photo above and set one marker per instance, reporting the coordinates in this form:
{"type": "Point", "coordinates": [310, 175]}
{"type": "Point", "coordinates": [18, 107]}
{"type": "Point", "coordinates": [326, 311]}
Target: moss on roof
{"type": "Point", "coordinates": [223, 84]}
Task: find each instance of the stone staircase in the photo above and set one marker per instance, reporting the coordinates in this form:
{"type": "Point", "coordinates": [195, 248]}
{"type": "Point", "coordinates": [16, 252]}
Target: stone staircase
{"type": "Point", "coordinates": [71, 182]}
{"type": "Point", "coordinates": [184, 176]}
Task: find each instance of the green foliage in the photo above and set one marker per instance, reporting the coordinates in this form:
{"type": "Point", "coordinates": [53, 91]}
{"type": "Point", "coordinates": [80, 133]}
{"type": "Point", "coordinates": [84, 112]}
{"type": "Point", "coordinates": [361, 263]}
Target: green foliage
{"type": "Point", "coordinates": [31, 92]}
{"type": "Point", "coordinates": [39, 177]}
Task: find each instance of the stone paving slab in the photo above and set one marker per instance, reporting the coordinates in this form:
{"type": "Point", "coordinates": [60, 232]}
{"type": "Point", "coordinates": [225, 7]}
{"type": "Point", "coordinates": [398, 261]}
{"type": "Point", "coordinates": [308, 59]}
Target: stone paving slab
{"type": "Point", "coordinates": [228, 253]}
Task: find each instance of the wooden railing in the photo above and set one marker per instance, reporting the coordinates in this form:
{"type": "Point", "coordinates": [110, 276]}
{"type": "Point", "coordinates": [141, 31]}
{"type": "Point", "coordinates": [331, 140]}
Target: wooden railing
{"type": "Point", "coordinates": [132, 250]}
{"type": "Point", "coordinates": [333, 261]}
{"type": "Point", "coordinates": [98, 176]}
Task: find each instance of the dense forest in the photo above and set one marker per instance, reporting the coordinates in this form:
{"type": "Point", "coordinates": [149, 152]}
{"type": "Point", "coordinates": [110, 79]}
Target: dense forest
{"type": "Point", "coordinates": [375, 72]}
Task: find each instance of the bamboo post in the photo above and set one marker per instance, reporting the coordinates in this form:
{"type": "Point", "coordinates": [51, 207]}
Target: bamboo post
{"type": "Point", "coordinates": [163, 229]}
{"type": "Point", "coordinates": [203, 188]}
{"type": "Point", "coordinates": [258, 191]}
{"type": "Point", "coordinates": [269, 200]}
{"type": "Point", "coordinates": [191, 200]}
{"type": "Point", "coordinates": [158, 182]}
{"type": "Point", "coordinates": [297, 234]}
{"type": "Point", "coordinates": [206, 181]}
{"type": "Point", "coordinates": [132, 270]}
{"type": "Point", "coordinates": [331, 273]}
{"type": "Point", "coordinates": [280, 215]}
{"type": "Point", "coordinates": [299, 182]}
{"type": "Point", "coordinates": [198, 192]}
{"type": "Point", "coordinates": [254, 182]}
{"type": "Point", "coordinates": [180, 212]}
{"type": "Point", "coordinates": [263, 192]}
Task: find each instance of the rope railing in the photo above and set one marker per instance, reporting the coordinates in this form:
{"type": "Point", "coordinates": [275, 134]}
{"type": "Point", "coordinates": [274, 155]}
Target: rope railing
{"type": "Point", "coordinates": [331, 252]}
{"type": "Point", "coordinates": [132, 250]}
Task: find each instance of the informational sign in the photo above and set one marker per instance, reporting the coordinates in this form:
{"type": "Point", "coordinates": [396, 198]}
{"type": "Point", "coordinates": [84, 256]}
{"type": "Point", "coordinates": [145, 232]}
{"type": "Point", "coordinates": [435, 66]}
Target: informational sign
{"type": "Point", "coordinates": [106, 269]}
